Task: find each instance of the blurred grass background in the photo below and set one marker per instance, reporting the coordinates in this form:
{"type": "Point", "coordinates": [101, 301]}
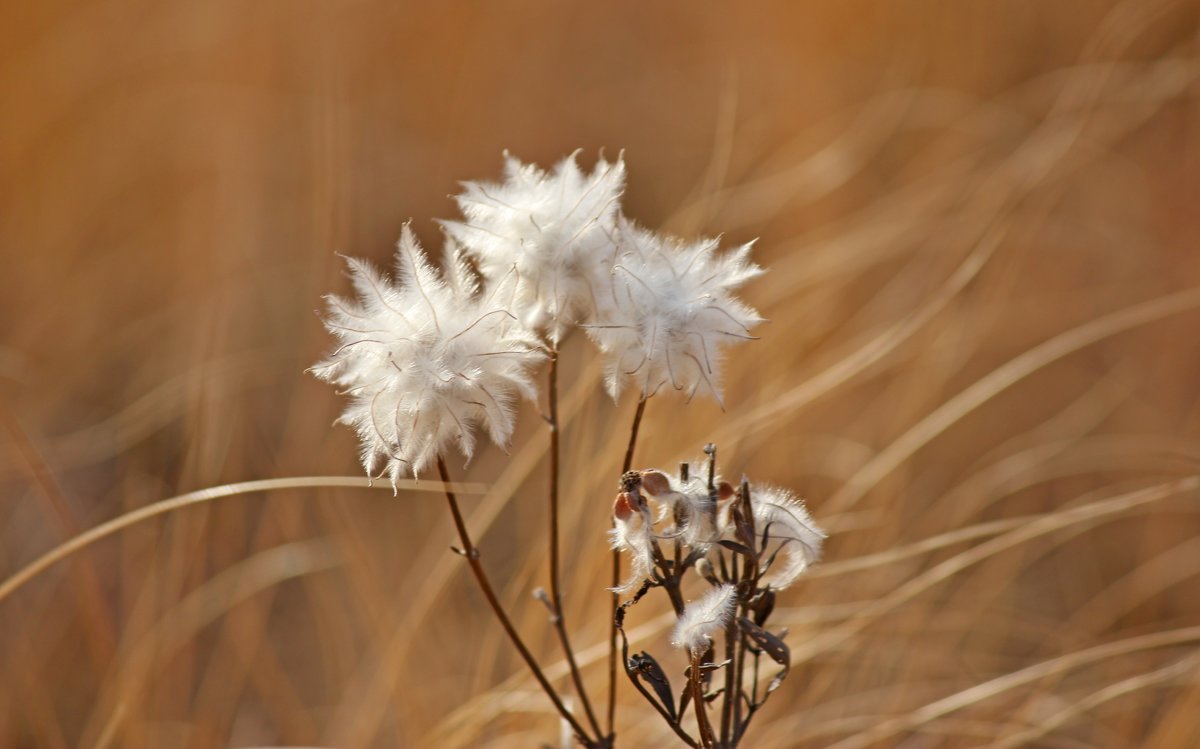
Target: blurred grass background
{"type": "Point", "coordinates": [982, 367]}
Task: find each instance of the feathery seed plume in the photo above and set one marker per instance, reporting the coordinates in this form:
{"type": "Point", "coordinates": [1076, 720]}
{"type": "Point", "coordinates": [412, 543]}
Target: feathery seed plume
{"type": "Point", "coordinates": [670, 311]}
{"type": "Point", "coordinates": [552, 232]}
{"type": "Point", "coordinates": [786, 521]}
{"type": "Point", "coordinates": [702, 618]}
{"type": "Point", "coordinates": [425, 361]}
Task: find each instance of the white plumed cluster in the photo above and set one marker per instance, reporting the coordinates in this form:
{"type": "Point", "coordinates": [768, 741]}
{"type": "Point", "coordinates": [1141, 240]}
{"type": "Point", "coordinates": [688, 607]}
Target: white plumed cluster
{"type": "Point", "coordinates": [703, 618]}
{"type": "Point", "coordinates": [425, 360]}
{"type": "Point", "coordinates": [670, 311]}
{"type": "Point", "coordinates": [551, 232]}
{"type": "Point", "coordinates": [430, 357]}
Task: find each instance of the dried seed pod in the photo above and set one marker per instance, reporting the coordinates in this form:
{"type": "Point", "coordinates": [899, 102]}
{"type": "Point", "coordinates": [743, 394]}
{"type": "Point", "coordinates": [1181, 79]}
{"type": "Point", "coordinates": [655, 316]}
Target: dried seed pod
{"type": "Point", "coordinates": [655, 483]}
{"type": "Point", "coordinates": [624, 506]}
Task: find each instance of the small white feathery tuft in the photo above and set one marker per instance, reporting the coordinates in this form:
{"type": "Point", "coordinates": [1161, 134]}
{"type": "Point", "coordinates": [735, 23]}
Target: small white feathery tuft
{"type": "Point", "coordinates": [786, 520]}
{"type": "Point", "coordinates": [703, 618]}
{"type": "Point", "coordinates": [670, 311]}
{"type": "Point", "coordinates": [425, 360]}
{"type": "Point", "coordinates": [551, 232]}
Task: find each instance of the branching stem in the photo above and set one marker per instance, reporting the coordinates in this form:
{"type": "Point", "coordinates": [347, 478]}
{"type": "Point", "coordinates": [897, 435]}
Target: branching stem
{"type": "Point", "coordinates": [471, 553]}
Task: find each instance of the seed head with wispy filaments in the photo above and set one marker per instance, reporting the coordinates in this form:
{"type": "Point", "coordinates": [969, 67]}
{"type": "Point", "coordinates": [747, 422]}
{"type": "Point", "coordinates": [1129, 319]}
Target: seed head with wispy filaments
{"type": "Point", "coordinates": [703, 618]}
{"type": "Point", "coordinates": [551, 231]}
{"type": "Point", "coordinates": [795, 540]}
{"type": "Point", "coordinates": [633, 533]}
{"type": "Point", "coordinates": [686, 505]}
{"type": "Point", "coordinates": [425, 359]}
{"type": "Point", "coordinates": [671, 311]}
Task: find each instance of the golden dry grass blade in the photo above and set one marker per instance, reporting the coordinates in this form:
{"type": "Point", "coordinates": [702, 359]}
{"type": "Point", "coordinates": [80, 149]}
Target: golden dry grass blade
{"type": "Point", "coordinates": [887, 728]}
{"type": "Point", "coordinates": [1028, 363]}
{"type": "Point", "coordinates": [200, 496]}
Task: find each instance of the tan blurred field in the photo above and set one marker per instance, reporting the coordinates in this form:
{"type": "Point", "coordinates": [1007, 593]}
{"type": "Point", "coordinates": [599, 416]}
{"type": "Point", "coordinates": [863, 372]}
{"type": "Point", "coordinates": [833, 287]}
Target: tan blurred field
{"type": "Point", "coordinates": [982, 223]}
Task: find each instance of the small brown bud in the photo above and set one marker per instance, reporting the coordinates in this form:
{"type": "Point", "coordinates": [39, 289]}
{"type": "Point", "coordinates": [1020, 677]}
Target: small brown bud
{"type": "Point", "coordinates": [631, 481]}
{"type": "Point", "coordinates": [724, 490]}
{"type": "Point", "coordinates": [655, 483]}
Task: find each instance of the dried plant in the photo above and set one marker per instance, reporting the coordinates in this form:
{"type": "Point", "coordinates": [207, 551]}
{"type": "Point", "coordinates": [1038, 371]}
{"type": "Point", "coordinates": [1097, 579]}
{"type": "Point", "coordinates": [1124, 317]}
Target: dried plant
{"type": "Point", "coordinates": [983, 294]}
{"type": "Point", "coordinates": [426, 360]}
{"type": "Point", "coordinates": [746, 543]}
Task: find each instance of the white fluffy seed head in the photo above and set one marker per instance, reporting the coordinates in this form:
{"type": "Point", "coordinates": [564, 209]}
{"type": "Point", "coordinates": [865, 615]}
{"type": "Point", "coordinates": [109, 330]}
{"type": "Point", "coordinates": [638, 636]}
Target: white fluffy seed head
{"type": "Point", "coordinates": [670, 311]}
{"type": "Point", "coordinates": [790, 529]}
{"type": "Point", "coordinates": [703, 618]}
{"type": "Point", "coordinates": [551, 232]}
{"type": "Point", "coordinates": [425, 359]}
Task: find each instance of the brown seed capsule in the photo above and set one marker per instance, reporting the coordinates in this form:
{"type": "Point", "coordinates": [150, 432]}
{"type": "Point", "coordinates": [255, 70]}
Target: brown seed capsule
{"type": "Point", "coordinates": [655, 483]}
{"type": "Point", "coordinates": [623, 506]}
{"type": "Point", "coordinates": [631, 481]}
{"type": "Point", "coordinates": [724, 490]}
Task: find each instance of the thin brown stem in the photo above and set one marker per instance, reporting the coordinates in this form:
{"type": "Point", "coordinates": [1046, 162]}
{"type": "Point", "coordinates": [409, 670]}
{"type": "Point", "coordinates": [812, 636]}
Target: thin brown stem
{"type": "Point", "coordinates": [560, 625]}
{"type": "Point", "coordinates": [745, 590]}
{"type": "Point", "coordinates": [471, 554]}
{"type": "Point", "coordinates": [633, 435]}
{"type": "Point", "coordinates": [669, 581]}
{"type": "Point", "coordinates": [616, 579]}
{"type": "Point", "coordinates": [739, 664]}
{"type": "Point", "coordinates": [730, 712]}
{"type": "Point", "coordinates": [730, 695]}
{"type": "Point", "coordinates": [701, 708]}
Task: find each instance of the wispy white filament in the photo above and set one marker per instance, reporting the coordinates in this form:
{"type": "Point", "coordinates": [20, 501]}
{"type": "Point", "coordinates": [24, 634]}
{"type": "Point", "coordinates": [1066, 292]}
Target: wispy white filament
{"type": "Point", "coordinates": [670, 311]}
{"type": "Point", "coordinates": [425, 360]}
{"type": "Point", "coordinates": [703, 618]}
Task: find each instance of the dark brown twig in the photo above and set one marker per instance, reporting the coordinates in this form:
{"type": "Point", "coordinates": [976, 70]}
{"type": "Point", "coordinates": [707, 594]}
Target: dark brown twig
{"type": "Point", "coordinates": [700, 707]}
{"type": "Point", "coordinates": [471, 554]}
{"type": "Point", "coordinates": [731, 665]}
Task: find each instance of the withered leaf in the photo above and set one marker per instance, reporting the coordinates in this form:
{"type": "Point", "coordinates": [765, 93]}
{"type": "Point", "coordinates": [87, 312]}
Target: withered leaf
{"type": "Point", "coordinates": [648, 670]}
{"type": "Point", "coordinates": [774, 647]}
{"type": "Point", "coordinates": [762, 605]}
{"type": "Point", "coordinates": [739, 548]}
